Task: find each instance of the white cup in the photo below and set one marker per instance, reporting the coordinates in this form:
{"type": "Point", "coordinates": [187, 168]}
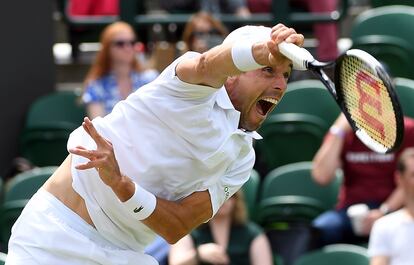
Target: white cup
{"type": "Point", "coordinates": [357, 214]}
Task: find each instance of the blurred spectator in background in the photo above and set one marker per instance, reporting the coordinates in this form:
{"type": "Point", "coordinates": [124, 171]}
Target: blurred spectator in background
{"type": "Point", "coordinates": [368, 179]}
{"type": "Point", "coordinates": [116, 71]}
{"type": "Point", "coordinates": [392, 238]}
{"type": "Point", "coordinates": [93, 8]}
{"type": "Point", "coordinates": [326, 33]}
{"type": "Point", "coordinates": [237, 7]}
{"type": "Point", "coordinates": [228, 238]}
{"type": "Point", "coordinates": [203, 32]}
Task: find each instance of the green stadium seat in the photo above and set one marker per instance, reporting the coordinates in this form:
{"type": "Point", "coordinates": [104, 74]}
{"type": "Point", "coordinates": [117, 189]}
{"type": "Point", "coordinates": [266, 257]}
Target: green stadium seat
{"type": "Point", "coordinates": [19, 190]}
{"type": "Point", "coordinates": [338, 254]}
{"type": "Point", "coordinates": [379, 3]}
{"type": "Point", "coordinates": [405, 91]}
{"type": "Point", "coordinates": [309, 97]}
{"type": "Point", "coordinates": [49, 122]}
{"type": "Point", "coordinates": [250, 191]}
{"type": "Point", "coordinates": [25, 184]}
{"type": "Point", "coordinates": [61, 108]}
{"type": "Point", "coordinates": [9, 211]}
{"type": "Point", "coordinates": [289, 138]}
{"type": "Point", "coordinates": [289, 194]}
{"type": "Point", "coordinates": [44, 146]}
{"type": "Point", "coordinates": [375, 32]}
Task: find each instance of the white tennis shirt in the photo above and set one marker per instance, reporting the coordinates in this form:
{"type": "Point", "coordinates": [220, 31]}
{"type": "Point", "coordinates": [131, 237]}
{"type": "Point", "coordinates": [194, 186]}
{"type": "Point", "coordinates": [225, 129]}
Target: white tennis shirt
{"type": "Point", "coordinates": [393, 236]}
{"type": "Point", "coordinates": [172, 138]}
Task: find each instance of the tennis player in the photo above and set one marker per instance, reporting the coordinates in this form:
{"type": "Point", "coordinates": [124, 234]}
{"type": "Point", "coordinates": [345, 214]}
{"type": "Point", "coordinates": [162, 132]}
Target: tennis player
{"type": "Point", "coordinates": [162, 162]}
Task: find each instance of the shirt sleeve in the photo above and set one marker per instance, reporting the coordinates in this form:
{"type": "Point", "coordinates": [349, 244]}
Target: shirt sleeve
{"type": "Point", "coordinates": [227, 185]}
{"type": "Point", "coordinates": [379, 241]}
{"type": "Point", "coordinates": [94, 92]}
{"type": "Point", "coordinates": [149, 76]}
{"type": "Point", "coordinates": [172, 85]}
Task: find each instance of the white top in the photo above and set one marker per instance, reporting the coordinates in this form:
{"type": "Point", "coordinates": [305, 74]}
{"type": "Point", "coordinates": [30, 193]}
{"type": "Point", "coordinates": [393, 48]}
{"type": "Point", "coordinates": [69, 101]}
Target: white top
{"type": "Point", "coordinates": [172, 138]}
{"type": "Point", "coordinates": [393, 236]}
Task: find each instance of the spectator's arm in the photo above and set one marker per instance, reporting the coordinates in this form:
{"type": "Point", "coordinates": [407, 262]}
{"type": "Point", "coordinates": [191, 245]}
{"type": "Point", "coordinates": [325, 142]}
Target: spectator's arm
{"type": "Point", "coordinates": [379, 260]}
{"type": "Point", "coordinates": [394, 202]}
{"type": "Point", "coordinates": [328, 158]}
{"type": "Point", "coordinates": [183, 252]}
{"type": "Point", "coordinates": [260, 251]}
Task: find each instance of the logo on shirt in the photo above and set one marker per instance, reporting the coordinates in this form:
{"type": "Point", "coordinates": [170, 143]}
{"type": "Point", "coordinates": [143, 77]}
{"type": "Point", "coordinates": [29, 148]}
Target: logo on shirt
{"type": "Point", "coordinates": [369, 157]}
{"type": "Point", "coordinates": [137, 210]}
{"type": "Point", "coordinates": [226, 192]}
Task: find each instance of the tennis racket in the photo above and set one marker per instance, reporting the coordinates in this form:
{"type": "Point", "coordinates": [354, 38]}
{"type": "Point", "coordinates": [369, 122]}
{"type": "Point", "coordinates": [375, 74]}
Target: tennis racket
{"type": "Point", "coordinates": [363, 91]}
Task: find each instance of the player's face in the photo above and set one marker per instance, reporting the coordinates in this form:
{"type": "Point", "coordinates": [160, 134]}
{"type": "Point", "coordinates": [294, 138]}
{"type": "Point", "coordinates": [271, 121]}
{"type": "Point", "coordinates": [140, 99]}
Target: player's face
{"type": "Point", "coordinates": [256, 93]}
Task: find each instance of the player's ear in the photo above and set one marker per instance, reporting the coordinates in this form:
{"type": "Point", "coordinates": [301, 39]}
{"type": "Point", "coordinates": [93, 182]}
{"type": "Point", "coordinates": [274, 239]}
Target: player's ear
{"type": "Point", "coordinates": [231, 81]}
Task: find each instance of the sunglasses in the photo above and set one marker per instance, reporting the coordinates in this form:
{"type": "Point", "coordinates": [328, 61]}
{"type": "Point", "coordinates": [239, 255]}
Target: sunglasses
{"type": "Point", "coordinates": [123, 43]}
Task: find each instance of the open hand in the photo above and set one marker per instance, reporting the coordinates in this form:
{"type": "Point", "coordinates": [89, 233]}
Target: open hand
{"type": "Point", "coordinates": [102, 159]}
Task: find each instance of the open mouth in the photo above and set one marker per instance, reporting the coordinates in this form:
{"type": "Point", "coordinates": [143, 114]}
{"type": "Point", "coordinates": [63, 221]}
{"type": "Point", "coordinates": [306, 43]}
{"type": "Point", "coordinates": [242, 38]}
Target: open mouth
{"type": "Point", "coordinates": [265, 105]}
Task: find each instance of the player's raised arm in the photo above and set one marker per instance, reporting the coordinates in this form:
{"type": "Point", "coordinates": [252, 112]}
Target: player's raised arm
{"type": "Point", "coordinates": [235, 56]}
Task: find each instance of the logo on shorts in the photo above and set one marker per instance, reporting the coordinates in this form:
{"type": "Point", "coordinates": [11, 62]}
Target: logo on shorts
{"type": "Point", "coordinates": [137, 210]}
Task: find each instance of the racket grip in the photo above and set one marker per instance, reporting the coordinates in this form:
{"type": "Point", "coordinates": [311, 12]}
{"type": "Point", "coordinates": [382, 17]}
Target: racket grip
{"type": "Point", "coordinates": [300, 57]}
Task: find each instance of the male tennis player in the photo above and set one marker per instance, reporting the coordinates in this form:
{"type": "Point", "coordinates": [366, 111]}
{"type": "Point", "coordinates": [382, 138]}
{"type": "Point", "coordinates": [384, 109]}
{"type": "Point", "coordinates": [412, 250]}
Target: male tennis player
{"type": "Point", "coordinates": [162, 162]}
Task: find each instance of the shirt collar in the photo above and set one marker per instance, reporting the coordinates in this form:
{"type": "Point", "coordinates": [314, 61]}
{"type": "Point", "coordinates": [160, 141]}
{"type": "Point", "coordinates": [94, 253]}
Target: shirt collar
{"type": "Point", "coordinates": [223, 99]}
{"type": "Point", "coordinates": [224, 102]}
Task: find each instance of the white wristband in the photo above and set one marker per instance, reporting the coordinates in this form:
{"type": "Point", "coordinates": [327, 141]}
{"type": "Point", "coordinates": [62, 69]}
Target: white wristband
{"type": "Point", "coordinates": [242, 55]}
{"type": "Point", "coordinates": [141, 204]}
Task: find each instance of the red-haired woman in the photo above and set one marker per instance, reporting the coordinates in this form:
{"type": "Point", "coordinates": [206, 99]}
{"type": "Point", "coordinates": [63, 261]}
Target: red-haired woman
{"type": "Point", "coordinates": [116, 72]}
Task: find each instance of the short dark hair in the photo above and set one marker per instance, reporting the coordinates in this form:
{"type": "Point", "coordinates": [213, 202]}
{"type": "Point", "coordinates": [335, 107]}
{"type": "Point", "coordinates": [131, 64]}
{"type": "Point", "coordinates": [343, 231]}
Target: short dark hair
{"type": "Point", "coordinates": [407, 153]}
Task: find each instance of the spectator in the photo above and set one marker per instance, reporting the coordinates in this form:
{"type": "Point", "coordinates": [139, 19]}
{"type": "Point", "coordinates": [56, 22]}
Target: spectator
{"type": "Point", "coordinates": [228, 238]}
{"type": "Point", "coordinates": [326, 33]}
{"type": "Point", "coordinates": [368, 179]}
{"type": "Point", "coordinates": [392, 237]}
{"type": "Point", "coordinates": [116, 71]}
{"type": "Point", "coordinates": [203, 32]}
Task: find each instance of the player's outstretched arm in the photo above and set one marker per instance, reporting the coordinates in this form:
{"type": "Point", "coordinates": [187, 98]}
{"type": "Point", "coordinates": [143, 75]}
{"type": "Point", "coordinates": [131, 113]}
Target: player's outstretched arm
{"type": "Point", "coordinates": [171, 220]}
{"type": "Point", "coordinates": [214, 66]}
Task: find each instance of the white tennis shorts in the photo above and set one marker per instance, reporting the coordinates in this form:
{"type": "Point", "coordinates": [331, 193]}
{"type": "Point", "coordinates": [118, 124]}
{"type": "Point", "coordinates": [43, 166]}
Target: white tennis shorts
{"type": "Point", "coordinates": [49, 233]}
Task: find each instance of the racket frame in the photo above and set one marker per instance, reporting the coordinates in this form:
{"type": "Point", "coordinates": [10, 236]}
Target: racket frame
{"type": "Point", "coordinates": [303, 60]}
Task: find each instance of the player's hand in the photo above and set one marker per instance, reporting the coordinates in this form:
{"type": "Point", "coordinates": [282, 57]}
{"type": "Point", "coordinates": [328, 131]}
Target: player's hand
{"type": "Point", "coordinates": [369, 220]}
{"type": "Point", "coordinates": [213, 253]}
{"type": "Point", "coordinates": [102, 159]}
{"type": "Point", "coordinates": [279, 34]}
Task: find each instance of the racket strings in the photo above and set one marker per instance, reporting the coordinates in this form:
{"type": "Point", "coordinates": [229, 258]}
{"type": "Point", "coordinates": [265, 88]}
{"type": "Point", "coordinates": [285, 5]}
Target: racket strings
{"type": "Point", "coordinates": [367, 100]}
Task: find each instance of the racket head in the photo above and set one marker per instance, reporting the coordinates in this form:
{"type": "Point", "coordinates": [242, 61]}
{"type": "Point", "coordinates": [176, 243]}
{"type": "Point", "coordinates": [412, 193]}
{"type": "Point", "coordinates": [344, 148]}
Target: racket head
{"type": "Point", "coordinates": [367, 97]}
